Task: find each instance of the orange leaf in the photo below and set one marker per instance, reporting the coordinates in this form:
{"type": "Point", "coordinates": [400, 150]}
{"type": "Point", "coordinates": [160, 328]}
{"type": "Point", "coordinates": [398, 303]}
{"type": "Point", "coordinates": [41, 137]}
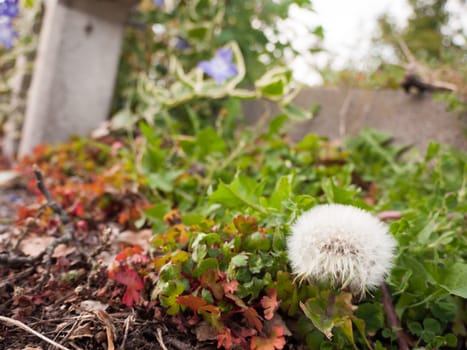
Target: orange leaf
{"type": "Point", "coordinates": [128, 252]}
{"type": "Point", "coordinates": [172, 217]}
{"type": "Point", "coordinates": [123, 217]}
{"type": "Point", "coordinates": [196, 304]}
{"type": "Point", "coordinates": [225, 339]}
{"type": "Point", "coordinates": [230, 287]}
{"type": "Point", "coordinates": [270, 304]}
{"type": "Point", "coordinates": [276, 340]}
{"type": "Point", "coordinates": [253, 318]}
{"type": "Point", "coordinates": [245, 225]}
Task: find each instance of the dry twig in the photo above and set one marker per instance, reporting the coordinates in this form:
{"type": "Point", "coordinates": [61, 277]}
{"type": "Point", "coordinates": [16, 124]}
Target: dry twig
{"type": "Point", "coordinates": [30, 330]}
{"type": "Point", "coordinates": [159, 339]}
{"type": "Point", "coordinates": [128, 321]}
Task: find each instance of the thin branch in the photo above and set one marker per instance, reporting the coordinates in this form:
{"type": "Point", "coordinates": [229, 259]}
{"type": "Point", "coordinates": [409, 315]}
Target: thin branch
{"type": "Point", "coordinates": [30, 330]}
{"type": "Point", "coordinates": [159, 339]}
{"type": "Point", "coordinates": [15, 261]}
{"type": "Point", "coordinates": [57, 208]}
{"type": "Point", "coordinates": [128, 321]}
{"type": "Point", "coordinates": [393, 320]}
{"type": "Point", "coordinates": [69, 230]}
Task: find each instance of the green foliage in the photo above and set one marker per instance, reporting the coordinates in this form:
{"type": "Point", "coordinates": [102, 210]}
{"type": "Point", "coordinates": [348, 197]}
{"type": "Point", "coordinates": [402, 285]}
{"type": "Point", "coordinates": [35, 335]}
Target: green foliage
{"type": "Point", "coordinates": [218, 253]}
{"type": "Point", "coordinates": [220, 198]}
{"type": "Point", "coordinates": [229, 251]}
{"type": "Point", "coordinates": [159, 66]}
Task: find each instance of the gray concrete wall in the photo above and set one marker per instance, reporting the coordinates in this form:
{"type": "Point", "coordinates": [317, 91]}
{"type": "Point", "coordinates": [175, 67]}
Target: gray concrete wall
{"type": "Point", "coordinates": [411, 119]}
{"type": "Point", "coordinates": [75, 69]}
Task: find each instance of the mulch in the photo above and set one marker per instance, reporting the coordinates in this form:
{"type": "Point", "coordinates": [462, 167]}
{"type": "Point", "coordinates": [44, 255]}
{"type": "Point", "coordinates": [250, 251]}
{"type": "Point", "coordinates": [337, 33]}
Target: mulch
{"type": "Point", "coordinates": [74, 305]}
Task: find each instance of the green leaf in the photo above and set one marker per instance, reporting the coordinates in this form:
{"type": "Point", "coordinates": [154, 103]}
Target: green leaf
{"type": "Point", "coordinates": [156, 213]}
{"type": "Point", "coordinates": [415, 328]}
{"type": "Point", "coordinates": [338, 194]}
{"type": "Point", "coordinates": [424, 235]}
{"type": "Point", "coordinates": [256, 241]}
{"type": "Point", "coordinates": [373, 316]}
{"type": "Point", "coordinates": [274, 83]}
{"type": "Point", "coordinates": [315, 313]}
{"type": "Point", "coordinates": [360, 325]}
{"type": "Point", "coordinates": [208, 142]}
{"type": "Point", "coordinates": [238, 194]}
{"type": "Point", "coordinates": [164, 181]}
{"type": "Point", "coordinates": [29, 3]}
{"type": "Point", "coordinates": [297, 113]}
{"type": "Point", "coordinates": [346, 327]}
{"type": "Point", "coordinates": [281, 192]}
{"type": "Point", "coordinates": [431, 325]}
{"type": "Point", "coordinates": [239, 260]}
{"type": "Point", "coordinates": [276, 124]}
{"type": "Point", "coordinates": [205, 265]}
{"type": "Point", "coordinates": [432, 151]}
{"type": "Point", "coordinates": [455, 280]}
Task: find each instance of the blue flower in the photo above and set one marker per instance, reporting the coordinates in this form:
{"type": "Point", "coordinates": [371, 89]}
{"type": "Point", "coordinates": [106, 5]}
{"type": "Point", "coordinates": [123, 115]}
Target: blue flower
{"type": "Point", "coordinates": [182, 44]}
{"type": "Point", "coordinates": [7, 34]}
{"type": "Point", "coordinates": [9, 8]}
{"type": "Point", "coordinates": [158, 3]}
{"type": "Point", "coordinates": [220, 67]}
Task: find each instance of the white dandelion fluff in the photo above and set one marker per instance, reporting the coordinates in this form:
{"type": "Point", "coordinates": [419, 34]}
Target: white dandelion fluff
{"type": "Point", "coordinates": [341, 245]}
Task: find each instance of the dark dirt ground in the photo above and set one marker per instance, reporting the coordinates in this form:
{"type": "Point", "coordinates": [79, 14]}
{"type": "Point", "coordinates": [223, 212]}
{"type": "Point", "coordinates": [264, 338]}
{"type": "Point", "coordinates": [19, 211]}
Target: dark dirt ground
{"type": "Point", "coordinates": [75, 306]}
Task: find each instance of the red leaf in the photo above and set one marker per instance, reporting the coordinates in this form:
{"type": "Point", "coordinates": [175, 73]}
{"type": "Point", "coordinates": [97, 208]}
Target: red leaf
{"type": "Point", "coordinates": [134, 284]}
{"type": "Point", "coordinates": [78, 209]}
{"type": "Point", "coordinates": [270, 304]}
{"type": "Point", "coordinates": [276, 340]}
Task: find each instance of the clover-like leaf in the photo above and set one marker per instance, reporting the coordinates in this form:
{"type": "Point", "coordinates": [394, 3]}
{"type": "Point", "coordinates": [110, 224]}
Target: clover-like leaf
{"type": "Point", "coordinates": [275, 341]}
{"type": "Point", "coordinates": [270, 304]}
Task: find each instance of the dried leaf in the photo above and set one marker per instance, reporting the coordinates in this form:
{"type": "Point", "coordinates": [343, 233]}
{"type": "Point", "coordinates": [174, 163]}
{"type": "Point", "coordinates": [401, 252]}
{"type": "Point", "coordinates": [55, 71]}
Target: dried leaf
{"type": "Point", "coordinates": [35, 245]}
{"type": "Point", "coordinates": [82, 331]}
{"type": "Point", "coordinates": [204, 331]}
{"type": "Point", "coordinates": [91, 305]}
{"type": "Point", "coordinates": [105, 318]}
{"type": "Point", "coordinates": [63, 250]}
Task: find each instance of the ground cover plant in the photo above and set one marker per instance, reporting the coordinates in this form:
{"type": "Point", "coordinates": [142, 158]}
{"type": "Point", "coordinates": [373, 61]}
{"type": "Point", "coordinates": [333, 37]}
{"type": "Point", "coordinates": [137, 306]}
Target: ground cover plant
{"type": "Point", "coordinates": [168, 229]}
{"type": "Point", "coordinates": [215, 266]}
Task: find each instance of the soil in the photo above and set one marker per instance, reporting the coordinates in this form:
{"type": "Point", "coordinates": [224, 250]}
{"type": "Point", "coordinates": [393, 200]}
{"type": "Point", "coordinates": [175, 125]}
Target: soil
{"type": "Point", "coordinates": [73, 305]}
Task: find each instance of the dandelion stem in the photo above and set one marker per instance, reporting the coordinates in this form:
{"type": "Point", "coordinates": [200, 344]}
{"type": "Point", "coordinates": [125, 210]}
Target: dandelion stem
{"type": "Point", "coordinates": [393, 320]}
{"type": "Point", "coordinates": [331, 301]}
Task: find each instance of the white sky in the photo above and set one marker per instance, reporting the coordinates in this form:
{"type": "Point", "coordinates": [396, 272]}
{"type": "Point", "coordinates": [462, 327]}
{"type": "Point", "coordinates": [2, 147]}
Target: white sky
{"type": "Point", "coordinates": [348, 29]}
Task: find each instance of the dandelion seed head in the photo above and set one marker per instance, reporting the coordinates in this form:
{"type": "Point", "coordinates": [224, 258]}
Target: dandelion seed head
{"type": "Point", "coordinates": [341, 245]}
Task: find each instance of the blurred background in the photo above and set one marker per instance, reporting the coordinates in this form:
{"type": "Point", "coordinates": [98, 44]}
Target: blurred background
{"type": "Point", "coordinates": [358, 44]}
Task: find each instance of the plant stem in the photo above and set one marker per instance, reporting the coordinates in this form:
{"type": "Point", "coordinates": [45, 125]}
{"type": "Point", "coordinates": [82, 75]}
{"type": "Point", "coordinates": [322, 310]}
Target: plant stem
{"type": "Point", "coordinates": [393, 320]}
{"type": "Point", "coordinates": [331, 301]}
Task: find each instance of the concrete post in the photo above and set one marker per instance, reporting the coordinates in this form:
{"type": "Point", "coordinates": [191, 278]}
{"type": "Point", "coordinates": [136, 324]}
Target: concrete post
{"type": "Point", "coordinates": [75, 69]}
